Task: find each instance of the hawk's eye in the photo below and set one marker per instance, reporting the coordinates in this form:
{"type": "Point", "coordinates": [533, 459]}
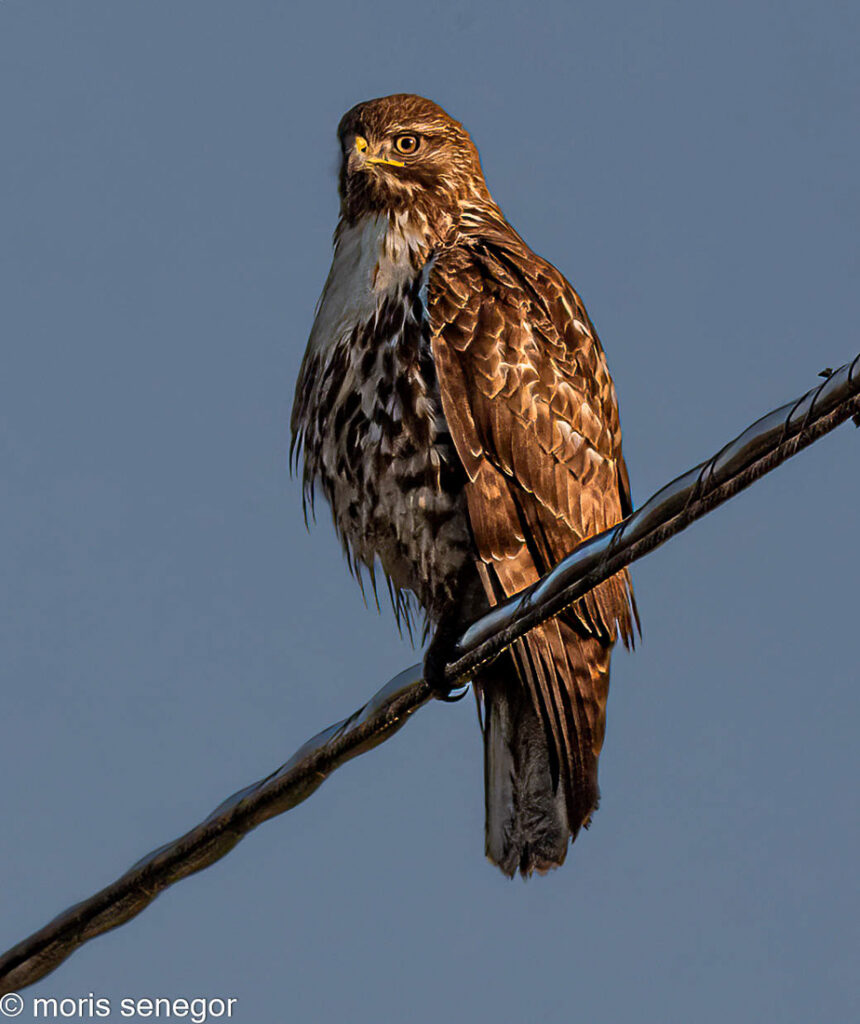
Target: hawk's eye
{"type": "Point", "coordinates": [407, 144]}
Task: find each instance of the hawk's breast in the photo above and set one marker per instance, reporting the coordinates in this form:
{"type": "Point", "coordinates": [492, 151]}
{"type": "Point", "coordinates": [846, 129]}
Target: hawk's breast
{"type": "Point", "coordinates": [369, 416]}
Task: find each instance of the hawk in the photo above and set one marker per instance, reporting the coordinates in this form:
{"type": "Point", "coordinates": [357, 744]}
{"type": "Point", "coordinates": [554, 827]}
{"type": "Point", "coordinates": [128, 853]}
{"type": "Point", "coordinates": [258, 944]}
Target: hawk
{"type": "Point", "coordinates": [455, 409]}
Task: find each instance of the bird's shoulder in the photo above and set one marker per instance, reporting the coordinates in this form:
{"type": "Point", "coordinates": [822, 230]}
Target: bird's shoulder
{"type": "Point", "coordinates": [522, 335]}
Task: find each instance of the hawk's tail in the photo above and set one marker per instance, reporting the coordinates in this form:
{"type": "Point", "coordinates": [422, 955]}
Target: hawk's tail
{"type": "Point", "coordinates": [543, 727]}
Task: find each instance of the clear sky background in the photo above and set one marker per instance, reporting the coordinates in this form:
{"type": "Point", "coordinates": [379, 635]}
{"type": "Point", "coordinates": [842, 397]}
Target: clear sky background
{"type": "Point", "coordinates": [169, 632]}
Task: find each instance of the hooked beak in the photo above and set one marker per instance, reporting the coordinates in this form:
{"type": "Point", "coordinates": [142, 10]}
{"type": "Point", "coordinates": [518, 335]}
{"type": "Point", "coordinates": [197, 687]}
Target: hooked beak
{"type": "Point", "coordinates": [361, 149]}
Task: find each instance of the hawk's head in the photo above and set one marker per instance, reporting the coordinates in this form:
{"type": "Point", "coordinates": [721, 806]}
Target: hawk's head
{"type": "Point", "coordinates": [403, 153]}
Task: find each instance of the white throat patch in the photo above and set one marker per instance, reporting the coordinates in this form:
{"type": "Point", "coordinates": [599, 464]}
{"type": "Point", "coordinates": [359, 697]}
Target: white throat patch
{"type": "Point", "coordinates": [373, 260]}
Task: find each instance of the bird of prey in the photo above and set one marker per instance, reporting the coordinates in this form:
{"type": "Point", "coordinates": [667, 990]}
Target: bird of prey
{"type": "Point", "coordinates": [455, 409]}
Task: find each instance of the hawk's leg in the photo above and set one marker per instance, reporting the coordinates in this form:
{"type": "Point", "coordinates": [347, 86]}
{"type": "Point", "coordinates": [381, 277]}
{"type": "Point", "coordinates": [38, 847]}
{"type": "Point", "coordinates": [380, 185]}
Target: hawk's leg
{"type": "Point", "coordinates": [437, 657]}
{"type": "Point", "coordinates": [468, 605]}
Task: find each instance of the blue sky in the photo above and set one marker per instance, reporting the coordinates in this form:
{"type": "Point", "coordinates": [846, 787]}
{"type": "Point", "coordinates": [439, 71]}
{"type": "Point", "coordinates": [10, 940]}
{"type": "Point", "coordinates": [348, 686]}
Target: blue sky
{"type": "Point", "coordinates": [169, 630]}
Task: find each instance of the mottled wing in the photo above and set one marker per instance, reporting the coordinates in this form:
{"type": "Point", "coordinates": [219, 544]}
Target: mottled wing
{"type": "Point", "coordinates": [533, 415]}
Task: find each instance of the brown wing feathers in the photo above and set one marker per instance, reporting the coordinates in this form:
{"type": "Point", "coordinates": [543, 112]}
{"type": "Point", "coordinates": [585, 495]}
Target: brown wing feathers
{"type": "Point", "coordinates": [532, 413]}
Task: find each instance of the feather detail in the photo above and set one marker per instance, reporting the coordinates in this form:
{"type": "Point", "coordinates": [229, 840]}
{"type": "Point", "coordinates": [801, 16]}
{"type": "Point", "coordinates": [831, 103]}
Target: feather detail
{"type": "Point", "coordinates": [533, 416]}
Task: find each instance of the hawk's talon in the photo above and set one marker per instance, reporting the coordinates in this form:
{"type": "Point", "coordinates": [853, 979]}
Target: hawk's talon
{"type": "Point", "coordinates": [452, 696]}
{"type": "Point", "coordinates": [435, 663]}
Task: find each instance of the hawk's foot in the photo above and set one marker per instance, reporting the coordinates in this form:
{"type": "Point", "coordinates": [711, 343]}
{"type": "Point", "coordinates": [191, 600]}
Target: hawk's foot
{"type": "Point", "coordinates": [435, 662]}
